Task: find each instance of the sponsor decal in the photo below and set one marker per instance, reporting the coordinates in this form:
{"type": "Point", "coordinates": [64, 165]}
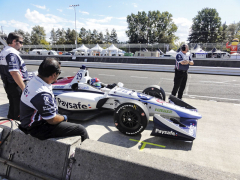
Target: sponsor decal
{"type": "Point", "coordinates": [46, 100]}
{"type": "Point", "coordinates": [83, 87]}
{"type": "Point", "coordinates": [170, 133]}
{"type": "Point", "coordinates": [26, 92]}
{"type": "Point", "coordinates": [159, 100]}
{"type": "Point", "coordinates": [1, 58]}
{"type": "Point", "coordinates": [79, 76]}
{"type": "Point", "coordinates": [69, 105]}
{"type": "Point", "coordinates": [13, 60]}
{"type": "Point", "coordinates": [163, 110]}
{"type": "Point", "coordinates": [191, 129]}
{"type": "Point", "coordinates": [126, 106]}
{"type": "Point", "coordinates": [58, 87]}
{"type": "Point", "coordinates": [144, 96]}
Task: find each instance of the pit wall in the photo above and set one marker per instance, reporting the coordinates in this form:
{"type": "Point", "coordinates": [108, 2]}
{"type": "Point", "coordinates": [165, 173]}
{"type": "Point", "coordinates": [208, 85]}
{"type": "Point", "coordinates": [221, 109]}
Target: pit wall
{"type": "Point", "coordinates": [92, 160]}
{"type": "Point", "coordinates": [211, 62]}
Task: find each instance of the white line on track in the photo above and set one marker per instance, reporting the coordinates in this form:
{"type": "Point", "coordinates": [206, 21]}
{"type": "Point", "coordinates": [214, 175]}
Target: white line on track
{"type": "Point", "coordinates": [106, 74]}
{"type": "Point", "coordinates": [138, 77]}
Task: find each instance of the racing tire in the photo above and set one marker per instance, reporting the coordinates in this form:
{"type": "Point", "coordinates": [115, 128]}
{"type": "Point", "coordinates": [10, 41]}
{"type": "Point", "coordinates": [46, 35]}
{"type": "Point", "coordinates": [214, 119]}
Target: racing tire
{"type": "Point", "coordinates": [155, 91]}
{"type": "Point", "coordinates": [131, 118]}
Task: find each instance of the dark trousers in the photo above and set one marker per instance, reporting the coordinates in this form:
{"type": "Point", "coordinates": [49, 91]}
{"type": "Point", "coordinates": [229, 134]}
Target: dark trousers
{"type": "Point", "coordinates": [180, 81]}
{"type": "Point", "coordinates": [63, 129]}
{"type": "Point", "coordinates": [13, 94]}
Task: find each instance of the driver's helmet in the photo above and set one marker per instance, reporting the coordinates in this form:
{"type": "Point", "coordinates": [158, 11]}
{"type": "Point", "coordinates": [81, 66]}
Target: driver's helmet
{"type": "Point", "coordinates": [97, 85]}
{"type": "Point", "coordinates": [94, 80]}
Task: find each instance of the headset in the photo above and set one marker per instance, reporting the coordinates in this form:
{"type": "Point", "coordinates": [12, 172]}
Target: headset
{"type": "Point", "coordinates": [183, 48]}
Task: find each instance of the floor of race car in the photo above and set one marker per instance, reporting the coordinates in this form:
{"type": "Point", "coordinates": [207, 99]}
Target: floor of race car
{"type": "Point", "coordinates": [216, 145]}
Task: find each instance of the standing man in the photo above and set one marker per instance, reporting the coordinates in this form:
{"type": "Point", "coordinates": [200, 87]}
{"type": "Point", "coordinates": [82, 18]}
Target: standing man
{"type": "Point", "coordinates": [38, 114]}
{"type": "Point", "coordinates": [13, 73]}
{"type": "Point", "coordinates": [181, 71]}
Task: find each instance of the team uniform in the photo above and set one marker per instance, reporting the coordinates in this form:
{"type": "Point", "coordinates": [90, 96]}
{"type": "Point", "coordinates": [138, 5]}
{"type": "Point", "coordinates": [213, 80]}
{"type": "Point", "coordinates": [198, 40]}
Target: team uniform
{"type": "Point", "coordinates": [181, 74]}
{"type": "Point", "coordinates": [38, 105]}
{"type": "Point", "coordinates": [11, 61]}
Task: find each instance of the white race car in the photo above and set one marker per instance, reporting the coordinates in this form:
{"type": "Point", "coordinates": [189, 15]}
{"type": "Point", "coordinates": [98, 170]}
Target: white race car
{"type": "Point", "coordinates": [82, 97]}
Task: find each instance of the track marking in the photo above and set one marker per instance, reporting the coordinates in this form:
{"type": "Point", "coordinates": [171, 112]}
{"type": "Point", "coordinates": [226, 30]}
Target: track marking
{"type": "Point", "coordinates": [145, 143]}
{"type": "Point", "coordinates": [106, 75]}
{"type": "Point", "coordinates": [138, 77]}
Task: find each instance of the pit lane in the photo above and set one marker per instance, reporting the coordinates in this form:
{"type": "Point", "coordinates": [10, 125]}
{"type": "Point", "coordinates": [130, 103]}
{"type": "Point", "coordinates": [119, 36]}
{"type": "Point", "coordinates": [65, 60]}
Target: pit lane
{"type": "Point", "coordinates": [216, 146]}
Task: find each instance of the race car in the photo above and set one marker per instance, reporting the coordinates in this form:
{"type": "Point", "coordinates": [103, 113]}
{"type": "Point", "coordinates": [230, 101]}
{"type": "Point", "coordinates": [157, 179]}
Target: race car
{"type": "Point", "coordinates": [82, 98]}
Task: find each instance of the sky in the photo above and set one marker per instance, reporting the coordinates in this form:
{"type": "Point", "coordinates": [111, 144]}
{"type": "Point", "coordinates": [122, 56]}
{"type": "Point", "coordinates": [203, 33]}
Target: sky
{"type": "Point", "coordinates": [106, 14]}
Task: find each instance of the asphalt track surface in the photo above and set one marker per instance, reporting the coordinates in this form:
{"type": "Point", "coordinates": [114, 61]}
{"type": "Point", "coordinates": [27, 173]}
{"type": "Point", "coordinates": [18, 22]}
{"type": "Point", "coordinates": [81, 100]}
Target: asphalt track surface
{"type": "Point", "coordinates": [220, 88]}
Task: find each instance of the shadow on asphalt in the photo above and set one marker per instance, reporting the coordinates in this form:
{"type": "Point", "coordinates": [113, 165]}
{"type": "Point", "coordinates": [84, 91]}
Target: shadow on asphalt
{"type": "Point", "coordinates": [119, 139]}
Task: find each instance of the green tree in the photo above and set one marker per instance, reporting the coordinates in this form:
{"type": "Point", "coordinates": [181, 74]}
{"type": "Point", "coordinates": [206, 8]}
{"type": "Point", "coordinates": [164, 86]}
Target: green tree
{"type": "Point", "coordinates": [83, 35]}
{"type": "Point", "coordinates": [37, 34]}
{"type": "Point", "coordinates": [206, 27]}
{"type": "Point", "coordinates": [94, 37]}
{"type": "Point", "coordinates": [53, 36]}
{"type": "Point", "coordinates": [233, 31]}
{"type": "Point", "coordinates": [45, 44]}
{"type": "Point", "coordinates": [107, 38]}
{"type": "Point", "coordinates": [100, 38]}
{"type": "Point", "coordinates": [61, 36]}
{"type": "Point", "coordinates": [113, 37]}
{"type": "Point", "coordinates": [154, 27]}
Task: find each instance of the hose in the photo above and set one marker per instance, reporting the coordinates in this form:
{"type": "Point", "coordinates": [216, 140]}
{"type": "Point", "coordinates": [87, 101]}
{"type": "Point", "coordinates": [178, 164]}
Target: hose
{"type": "Point", "coordinates": [11, 129]}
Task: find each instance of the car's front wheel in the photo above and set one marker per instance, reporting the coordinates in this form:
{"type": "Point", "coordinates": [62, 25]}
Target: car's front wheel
{"type": "Point", "coordinates": [131, 118]}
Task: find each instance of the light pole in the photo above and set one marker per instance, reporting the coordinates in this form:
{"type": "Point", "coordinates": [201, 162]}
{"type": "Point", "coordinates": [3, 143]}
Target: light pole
{"type": "Point", "coordinates": [75, 21]}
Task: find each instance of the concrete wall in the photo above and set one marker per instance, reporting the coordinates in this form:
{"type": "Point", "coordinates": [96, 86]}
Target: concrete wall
{"type": "Point", "coordinates": [94, 161]}
{"type": "Point", "coordinates": [49, 157]}
{"type": "Point", "coordinates": [212, 62]}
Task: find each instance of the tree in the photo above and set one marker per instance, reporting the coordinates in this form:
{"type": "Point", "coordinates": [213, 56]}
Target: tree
{"type": "Point", "coordinates": [206, 27]}
{"type": "Point", "coordinates": [27, 39]}
{"type": "Point", "coordinates": [154, 27]}
{"type": "Point", "coordinates": [37, 34]}
{"type": "Point", "coordinates": [61, 36]}
{"type": "Point", "coordinates": [83, 35]}
{"type": "Point", "coordinates": [233, 31]}
{"type": "Point", "coordinates": [94, 36]}
{"type": "Point", "coordinates": [100, 38]}
{"type": "Point", "coordinates": [107, 38]}
{"type": "Point", "coordinates": [113, 37]}
{"type": "Point", "coordinates": [53, 36]}
{"type": "Point", "coordinates": [26, 36]}
{"type": "Point", "coordinates": [223, 33]}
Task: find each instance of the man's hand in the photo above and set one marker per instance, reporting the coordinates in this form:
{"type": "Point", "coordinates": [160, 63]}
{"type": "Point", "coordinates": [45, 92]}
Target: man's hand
{"type": "Point", "coordinates": [18, 79]}
{"type": "Point", "coordinates": [191, 62]}
{"type": "Point", "coordinates": [185, 62]}
{"type": "Point", "coordinates": [56, 120]}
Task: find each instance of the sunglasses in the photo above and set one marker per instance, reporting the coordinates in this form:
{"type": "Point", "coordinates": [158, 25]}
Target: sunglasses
{"type": "Point", "coordinates": [21, 42]}
{"type": "Point", "coordinates": [58, 72]}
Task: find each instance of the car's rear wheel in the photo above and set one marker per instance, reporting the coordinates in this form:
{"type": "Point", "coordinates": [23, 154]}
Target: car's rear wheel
{"type": "Point", "coordinates": [155, 91]}
{"type": "Point", "coordinates": [131, 118]}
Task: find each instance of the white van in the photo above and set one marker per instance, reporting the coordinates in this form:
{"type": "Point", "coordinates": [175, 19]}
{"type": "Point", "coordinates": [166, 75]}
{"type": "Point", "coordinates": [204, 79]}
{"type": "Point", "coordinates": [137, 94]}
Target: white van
{"type": "Point", "coordinates": [42, 52]}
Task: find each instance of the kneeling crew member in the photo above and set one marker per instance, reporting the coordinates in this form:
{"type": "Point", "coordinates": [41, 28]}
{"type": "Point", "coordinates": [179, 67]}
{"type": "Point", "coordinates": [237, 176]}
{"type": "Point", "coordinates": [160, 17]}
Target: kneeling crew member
{"type": "Point", "coordinates": [181, 71]}
{"type": "Point", "coordinates": [38, 109]}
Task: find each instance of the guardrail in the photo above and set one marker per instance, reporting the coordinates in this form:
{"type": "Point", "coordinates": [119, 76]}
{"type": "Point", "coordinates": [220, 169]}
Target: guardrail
{"type": "Point", "coordinates": [146, 67]}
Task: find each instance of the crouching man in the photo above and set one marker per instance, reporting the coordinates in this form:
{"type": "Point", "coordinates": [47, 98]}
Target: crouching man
{"type": "Point", "coordinates": [38, 109]}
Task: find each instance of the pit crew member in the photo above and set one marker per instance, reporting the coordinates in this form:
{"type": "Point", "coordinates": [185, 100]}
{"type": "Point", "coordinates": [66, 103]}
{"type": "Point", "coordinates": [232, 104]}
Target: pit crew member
{"type": "Point", "coordinates": [38, 107]}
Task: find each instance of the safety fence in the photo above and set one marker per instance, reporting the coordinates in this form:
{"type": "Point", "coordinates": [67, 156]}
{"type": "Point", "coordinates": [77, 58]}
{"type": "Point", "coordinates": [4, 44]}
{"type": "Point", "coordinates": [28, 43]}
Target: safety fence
{"type": "Point", "coordinates": [164, 47]}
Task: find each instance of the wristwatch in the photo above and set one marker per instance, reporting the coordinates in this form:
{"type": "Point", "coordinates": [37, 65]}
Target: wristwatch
{"type": "Point", "coordinates": [65, 117]}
